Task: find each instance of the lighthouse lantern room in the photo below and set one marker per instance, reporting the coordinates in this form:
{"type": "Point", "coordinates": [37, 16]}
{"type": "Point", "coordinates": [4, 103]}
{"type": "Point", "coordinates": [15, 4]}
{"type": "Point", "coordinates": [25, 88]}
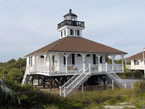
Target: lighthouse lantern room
{"type": "Point", "coordinates": [70, 26]}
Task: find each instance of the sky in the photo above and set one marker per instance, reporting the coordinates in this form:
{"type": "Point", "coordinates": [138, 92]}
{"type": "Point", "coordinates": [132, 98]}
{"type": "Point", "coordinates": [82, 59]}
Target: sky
{"type": "Point", "coordinates": [27, 25]}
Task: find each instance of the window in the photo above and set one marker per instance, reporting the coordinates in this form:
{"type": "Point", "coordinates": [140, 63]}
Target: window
{"type": "Point", "coordinates": [78, 32]}
{"type": "Point", "coordinates": [88, 55]}
{"type": "Point", "coordinates": [53, 58]}
{"type": "Point", "coordinates": [101, 59]}
{"type": "Point", "coordinates": [30, 60]}
{"type": "Point", "coordinates": [78, 55]}
{"type": "Point", "coordinates": [94, 59]}
{"type": "Point", "coordinates": [41, 56]}
{"type": "Point", "coordinates": [61, 34]}
{"type": "Point", "coordinates": [73, 59]}
{"type": "Point", "coordinates": [64, 60]}
{"type": "Point", "coordinates": [71, 32]}
{"type": "Point", "coordinates": [64, 32]}
{"type": "Point", "coordinates": [136, 62]}
{"type": "Point", "coordinates": [75, 32]}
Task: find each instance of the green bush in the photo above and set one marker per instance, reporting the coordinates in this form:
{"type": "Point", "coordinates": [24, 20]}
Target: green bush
{"type": "Point", "coordinates": [5, 99]}
{"type": "Point", "coordinates": [15, 75]}
{"type": "Point", "coordinates": [139, 87]}
{"type": "Point", "coordinates": [112, 101]}
{"type": "Point", "coordinates": [132, 75]}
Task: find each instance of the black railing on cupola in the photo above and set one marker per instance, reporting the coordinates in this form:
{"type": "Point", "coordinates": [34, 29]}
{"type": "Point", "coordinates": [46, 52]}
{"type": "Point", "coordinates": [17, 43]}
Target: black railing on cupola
{"type": "Point", "coordinates": [71, 23]}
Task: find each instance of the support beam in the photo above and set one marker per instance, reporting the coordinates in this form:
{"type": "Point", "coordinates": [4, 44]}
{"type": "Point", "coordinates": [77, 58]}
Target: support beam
{"type": "Point", "coordinates": [32, 80]}
{"type": "Point", "coordinates": [112, 85]}
{"type": "Point", "coordinates": [99, 56]}
{"type": "Point", "coordinates": [66, 57]}
{"type": "Point", "coordinates": [37, 63]}
{"type": "Point", "coordinates": [103, 60]}
{"type": "Point", "coordinates": [82, 87]}
{"type": "Point", "coordinates": [50, 63]}
{"type": "Point", "coordinates": [50, 83]}
{"type": "Point", "coordinates": [38, 79]}
{"type": "Point", "coordinates": [113, 57]}
{"type": "Point", "coordinates": [84, 60]}
{"type": "Point", "coordinates": [44, 62]}
{"type": "Point", "coordinates": [44, 82]}
{"type": "Point", "coordinates": [122, 56]}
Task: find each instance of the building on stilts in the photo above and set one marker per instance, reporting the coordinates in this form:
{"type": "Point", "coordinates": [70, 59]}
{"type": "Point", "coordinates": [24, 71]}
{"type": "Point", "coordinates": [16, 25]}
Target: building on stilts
{"type": "Point", "coordinates": [73, 61]}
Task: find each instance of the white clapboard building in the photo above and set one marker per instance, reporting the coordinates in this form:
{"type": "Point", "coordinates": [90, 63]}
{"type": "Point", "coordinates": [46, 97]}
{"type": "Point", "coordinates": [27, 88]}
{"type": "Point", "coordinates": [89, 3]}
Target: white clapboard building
{"type": "Point", "coordinates": [137, 61]}
{"type": "Point", "coordinates": [73, 56]}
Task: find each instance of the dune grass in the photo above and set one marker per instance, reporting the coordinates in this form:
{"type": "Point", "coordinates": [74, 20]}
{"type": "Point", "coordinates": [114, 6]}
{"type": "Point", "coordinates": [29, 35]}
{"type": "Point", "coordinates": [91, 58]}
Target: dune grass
{"type": "Point", "coordinates": [28, 96]}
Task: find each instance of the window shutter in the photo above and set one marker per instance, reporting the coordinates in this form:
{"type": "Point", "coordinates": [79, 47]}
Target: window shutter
{"type": "Point", "coordinates": [53, 59]}
{"type": "Point", "coordinates": [101, 59]}
{"type": "Point", "coordinates": [64, 60]}
{"type": "Point", "coordinates": [94, 59]}
{"type": "Point", "coordinates": [73, 59]}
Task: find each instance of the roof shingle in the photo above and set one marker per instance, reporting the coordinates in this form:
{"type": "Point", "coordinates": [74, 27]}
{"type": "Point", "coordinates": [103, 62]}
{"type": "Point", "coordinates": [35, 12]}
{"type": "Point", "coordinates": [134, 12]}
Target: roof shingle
{"type": "Point", "coordinates": [136, 56]}
{"type": "Point", "coordinates": [76, 44]}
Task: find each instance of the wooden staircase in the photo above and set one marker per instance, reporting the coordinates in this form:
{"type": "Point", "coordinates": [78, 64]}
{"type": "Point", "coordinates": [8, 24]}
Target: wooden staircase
{"type": "Point", "coordinates": [75, 82]}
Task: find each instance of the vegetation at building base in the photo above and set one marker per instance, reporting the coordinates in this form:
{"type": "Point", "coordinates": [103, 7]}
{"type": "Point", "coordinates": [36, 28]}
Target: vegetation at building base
{"type": "Point", "coordinates": [28, 96]}
{"type": "Point", "coordinates": [14, 69]}
{"type": "Point", "coordinates": [131, 74]}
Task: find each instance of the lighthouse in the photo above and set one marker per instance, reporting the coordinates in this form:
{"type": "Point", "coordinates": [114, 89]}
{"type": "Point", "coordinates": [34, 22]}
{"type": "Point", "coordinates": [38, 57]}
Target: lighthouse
{"type": "Point", "coordinates": [70, 26]}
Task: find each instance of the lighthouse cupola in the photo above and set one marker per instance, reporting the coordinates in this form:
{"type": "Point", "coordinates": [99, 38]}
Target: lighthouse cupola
{"type": "Point", "coordinates": [70, 26]}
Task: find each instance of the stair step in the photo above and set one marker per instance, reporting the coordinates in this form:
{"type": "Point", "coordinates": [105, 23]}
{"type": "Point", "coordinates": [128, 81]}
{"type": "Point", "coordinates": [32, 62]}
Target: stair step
{"type": "Point", "coordinates": [73, 84]}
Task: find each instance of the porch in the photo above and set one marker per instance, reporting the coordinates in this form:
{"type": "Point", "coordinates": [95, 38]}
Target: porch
{"type": "Point", "coordinates": [72, 69]}
{"type": "Point", "coordinates": [56, 63]}
{"type": "Point", "coordinates": [135, 67]}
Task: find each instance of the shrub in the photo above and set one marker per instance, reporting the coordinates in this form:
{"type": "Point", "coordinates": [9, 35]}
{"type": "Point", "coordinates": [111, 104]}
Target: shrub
{"type": "Point", "coordinates": [112, 101]}
{"type": "Point", "coordinates": [139, 87]}
{"type": "Point", "coordinates": [5, 94]}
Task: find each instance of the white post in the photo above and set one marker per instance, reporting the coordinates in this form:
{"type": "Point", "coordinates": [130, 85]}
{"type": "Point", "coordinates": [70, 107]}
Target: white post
{"type": "Point", "coordinates": [44, 62]}
{"type": "Point", "coordinates": [34, 63]}
{"type": "Point", "coordinates": [66, 56]}
{"type": "Point", "coordinates": [50, 57]}
{"type": "Point", "coordinates": [99, 55]}
{"type": "Point", "coordinates": [113, 56]}
{"type": "Point", "coordinates": [125, 85]}
{"type": "Point", "coordinates": [64, 91]}
{"type": "Point", "coordinates": [37, 63]}
{"type": "Point", "coordinates": [82, 88]}
{"type": "Point", "coordinates": [122, 62]}
{"type": "Point", "coordinates": [66, 63]}
{"type": "Point", "coordinates": [89, 68]}
{"type": "Point", "coordinates": [83, 56]}
{"type": "Point", "coordinates": [60, 90]}
{"type": "Point", "coordinates": [112, 85]}
{"type": "Point", "coordinates": [106, 67]}
{"type": "Point", "coordinates": [84, 67]}
{"type": "Point", "coordinates": [103, 59]}
{"type": "Point", "coordinates": [131, 85]}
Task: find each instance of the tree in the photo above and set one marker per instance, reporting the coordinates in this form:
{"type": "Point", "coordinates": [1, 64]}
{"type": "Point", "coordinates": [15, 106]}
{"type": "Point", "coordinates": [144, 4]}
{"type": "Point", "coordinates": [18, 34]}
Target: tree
{"type": "Point", "coordinates": [15, 75]}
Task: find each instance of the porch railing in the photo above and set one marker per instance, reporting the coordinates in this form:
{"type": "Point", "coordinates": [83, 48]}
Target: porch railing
{"type": "Point", "coordinates": [136, 67]}
{"type": "Point", "coordinates": [74, 68]}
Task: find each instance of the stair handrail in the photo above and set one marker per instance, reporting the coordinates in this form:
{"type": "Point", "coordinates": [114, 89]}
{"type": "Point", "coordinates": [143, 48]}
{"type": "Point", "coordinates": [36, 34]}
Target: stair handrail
{"type": "Point", "coordinates": [117, 77]}
{"type": "Point", "coordinates": [114, 79]}
{"type": "Point", "coordinates": [78, 82]}
{"type": "Point", "coordinates": [72, 78]}
{"type": "Point", "coordinates": [24, 77]}
{"type": "Point", "coordinates": [77, 77]}
{"type": "Point", "coordinates": [120, 85]}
